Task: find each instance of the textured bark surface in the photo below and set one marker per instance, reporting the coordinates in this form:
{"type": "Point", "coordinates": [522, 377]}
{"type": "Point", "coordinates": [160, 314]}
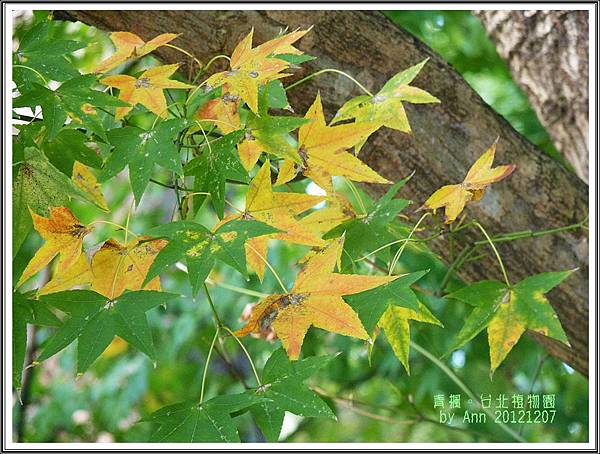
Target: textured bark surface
{"type": "Point", "coordinates": [547, 53]}
{"type": "Point", "coordinates": [447, 137]}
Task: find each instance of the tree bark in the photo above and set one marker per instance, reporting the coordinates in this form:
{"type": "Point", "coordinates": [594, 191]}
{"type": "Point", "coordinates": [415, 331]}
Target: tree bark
{"type": "Point", "coordinates": [447, 138]}
{"type": "Point", "coordinates": [547, 53]}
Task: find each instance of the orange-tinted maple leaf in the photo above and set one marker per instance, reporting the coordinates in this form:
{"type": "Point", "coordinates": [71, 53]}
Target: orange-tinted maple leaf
{"type": "Point", "coordinates": [222, 112]}
{"type": "Point", "coordinates": [117, 267]}
{"type": "Point", "coordinates": [277, 209]}
{"type": "Point", "coordinates": [129, 45]}
{"type": "Point", "coordinates": [250, 68]}
{"type": "Point", "coordinates": [146, 90]}
{"type": "Point", "coordinates": [323, 151]}
{"type": "Point", "coordinates": [454, 197]}
{"type": "Point", "coordinates": [316, 299]}
{"type": "Point", "coordinates": [63, 234]}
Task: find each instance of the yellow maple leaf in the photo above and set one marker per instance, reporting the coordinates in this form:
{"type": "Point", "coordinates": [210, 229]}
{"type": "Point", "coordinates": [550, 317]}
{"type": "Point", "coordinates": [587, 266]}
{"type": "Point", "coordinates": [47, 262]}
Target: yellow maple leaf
{"type": "Point", "coordinates": [315, 299]}
{"type": "Point", "coordinates": [85, 180]}
{"type": "Point", "coordinates": [395, 324]}
{"type": "Point", "coordinates": [338, 210]}
{"type": "Point", "coordinates": [63, 235]}
{"type": "Point", "coordinates": [117, 267]}
{"type": "Point", "coordinates": [454, 197]}
{"type": "Point", "coordinates": [129, 45]}
{"type": "Point", "coordinates": [80, 273]}
{"type": "Point", "coordinates": [250, 68]}
{"type": "Point", "coordinates": [277, 209]}
{"type": "Point", "coordinates": [146, 90]}
{"type": "Point", "coordinates": [323, 148]}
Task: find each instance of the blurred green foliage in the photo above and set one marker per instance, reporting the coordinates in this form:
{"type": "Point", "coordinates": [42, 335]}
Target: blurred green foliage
{"type": "Point", "coordinates": [376, 401]}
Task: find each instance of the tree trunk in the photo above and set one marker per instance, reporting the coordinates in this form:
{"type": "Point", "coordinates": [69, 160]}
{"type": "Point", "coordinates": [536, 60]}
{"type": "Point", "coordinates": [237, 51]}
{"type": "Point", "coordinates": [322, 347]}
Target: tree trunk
{"type": "Point", "coordinates": [447, 137]}
{"type": "Point", "coordinates": [547, 52]}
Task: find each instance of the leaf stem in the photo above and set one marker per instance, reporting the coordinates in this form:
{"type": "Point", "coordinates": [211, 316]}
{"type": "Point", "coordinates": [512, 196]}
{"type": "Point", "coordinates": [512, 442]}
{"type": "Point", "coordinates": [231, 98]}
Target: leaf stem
{"type": "Point", "coordinates": [183, 51]}
{"type": "Point", "coordinates": [208, 357]}
{"type": "Point", "coordinates": [33, 70]}
{"type": "Point", "coordinates": [328, 70]}
{"type": "Point", "coordinates": [212, 308]}
{"type": "Point", "coordinates": [283, 287]}
{"type": "Point", "coordinates": [125, 229]}
{"type": "Point", "coordinates": [356, 195]}
{"type": "Point", "coordinates": [462, 385]}
{"type": "Point", "coordinates": [493, 246]}
{"type": "Point", "coordinates": [401, 250]}
{"type": "Point", "coordinates": [246, 353]}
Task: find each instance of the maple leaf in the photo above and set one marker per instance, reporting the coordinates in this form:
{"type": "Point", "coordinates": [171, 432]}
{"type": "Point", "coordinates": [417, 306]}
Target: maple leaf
{"type": "Point", "coordinates": [277, 209]}
{"type": "Point", "coordinates": [385, 108]}
{"type": "Point", "coordinates": [454, 197]}
{"type": "Point", "coordinates": [508, 312]}
{"type": "Point", "coordinates": [63, 234]}
{"type": "Point", "coordinates": [210, 421]}
{"type": "Point", "coordinates": [74, 99]}
{"type": "Point", "coordinates": [217, 163]}
{"type": "Point", "coordinates": [37, 186]}
{"type": "Point", "coordinates": [79, 273]}
{"type": "Point", "coordinates": [250, 68]}
{"type": "Point", "coordinates": [128, 46]}
{"type": "Point", "coordinates": [69, 146]}
{"type": "Point", "coordinates": [269, 134]}
{"type": "Point", "coordinates": [201, 248]}
{"type": "Point", "coordinates": [395, 324]}
{"type": "Point", "coordinates": [315, 299]}
{"type": "Point", "coordinates": [337, 211]}
{"type": "Point", "coordinates": [47, 54]}
{"type": "Point", "coordinates": [322, 150]}
{"type": "Point", "coordinates": [376, 224]}
{"type": "Point", "coordinates": [140, 150]}
{"type": "Point", "coordinates": [94, 320]}
{"type": "Point", "coordinates": [117, 267]}
{"type": "Point", "coordinates": [284, 390]}
{"type": "Point", "coordinates": [147, 89]}
{"type": "Point", "coordinates": [222, 111]}
{"type": "Point", "coordinates": [372, 304]}
{"type": "Point", "coordinates": [26, 311]}
{"type": "Point", "coordinates": [86, 181]}
{"type": "Point", "coordinates": [114, 268]}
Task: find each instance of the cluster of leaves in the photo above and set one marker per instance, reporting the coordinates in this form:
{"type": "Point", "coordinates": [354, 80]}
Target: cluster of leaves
{"type": "Point", "coordinates": [223, 132]}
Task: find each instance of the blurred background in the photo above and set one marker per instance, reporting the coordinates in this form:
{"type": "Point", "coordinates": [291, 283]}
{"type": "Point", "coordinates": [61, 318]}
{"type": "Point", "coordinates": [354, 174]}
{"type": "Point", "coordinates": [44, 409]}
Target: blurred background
{"type": "Point", "coordinates": [376, 402]}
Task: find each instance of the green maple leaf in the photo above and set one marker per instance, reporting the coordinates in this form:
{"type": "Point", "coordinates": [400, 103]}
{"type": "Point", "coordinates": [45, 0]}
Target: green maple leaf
{"type": "Point", "coordinates": [295, 59]}
{"type": "Point", "coordinates": [372, 304]}
{"type": "Point", "coordinates": [377, 225]}
{"type": "Point", "coordinates": [26, 311]}
{"type": "Point", "coordinates": [284, 390]}
{"type": "Point", "coordinates": [508, 312]}
{"type": "Point", "coordinates": [210, 421]}
{"type": "Point", "coordinates": [74, 99]}
{"type": "Point", "coordinates": [276, 94]}
{"type": "Point", "coordinates": [386, 107]}
{"type": "Point", "coordinates": [396, 326]}
{"type": "Point", "coordinates": [94, 320]}
{"type": "Point", "coordinates": [218, 163]}
{"type": "Point", "coordinates": [272, 134]}
{"type": "Point", "coordinates": [69, 146]}
{"type": "Point", "coordinates": [45, 54]}
{"type": "Point", "coordinates": [140, 150]}
{"type": "Point", "coordinates": [37, 185]}
{"type": "Point", "coordinates": [201, 248]}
